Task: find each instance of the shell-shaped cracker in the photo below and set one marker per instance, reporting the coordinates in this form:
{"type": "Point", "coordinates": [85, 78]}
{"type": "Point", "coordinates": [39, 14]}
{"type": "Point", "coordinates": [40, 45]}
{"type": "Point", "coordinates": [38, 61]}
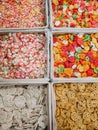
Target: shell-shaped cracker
{"type": "Point", "coordinates": [27, 126]}
{"type": "Point", "coordinates": [6, 126]}
{"type": "Point", "coordinates": [42, 121]}
{"type": "Point", "coordinates": [33, 119]}
{"type": "Point", "coordinates": [17, 117]}
{"type": "Point", "coordinates": [20, 101]}
{"type": "Point", "coordinates": [25, 114]}
{"type": "Point", "coordinates": [3, 116]}
{"type": "Point", "coordinates": [37, 109]}
{"type": "Point", "coordinates": [40, 128]}
{"type": "Point", "coordinates": [9, 109]}
{"type": "Point", "coordinates": [41, 89]}
{"type": "Point", "coordinates": [29, 92]}
{"type": "Point", "coordinates": [1, 102]}
{"type": "Point", "coordinates": [41, 99]}
{"type": "Point", "coordinates": [34, 92]}
{"type": "Point", "coordinates": [9, 117]}
{"type": "Point", "coordinates": [19, 90]}
{"type": "Point", "coordinates": [8, 100]}
{"type": "Point", "coordinates": [3, 92]}
{"type": "Point", "coordinates": [11, 90]}
{"type": "Point", "coordinates": [43, 110]}
{"type": "Point", "coordinates": [28, 99]}
{"type": "Point", "coordinates": [42, 125]}
{"type": "Point", "coordinates": [33, 102]}
{"type": "Point", "coordinates": [31, 87]}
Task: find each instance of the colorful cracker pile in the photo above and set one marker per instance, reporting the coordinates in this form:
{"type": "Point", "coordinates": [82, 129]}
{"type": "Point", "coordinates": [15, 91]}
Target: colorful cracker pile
{"type": "Point", "coordinates": [23, 55]}
{"type": "Point", "coordinates": [75, 55]}
{"type": "Point", "coordinates": [22, 13]}
{"type": "Point", "coordinates": [76, 106]}
{"type": "Point", "coordinates": [75, 13]}
{"type": "Point", "coordinates": [23, 107]}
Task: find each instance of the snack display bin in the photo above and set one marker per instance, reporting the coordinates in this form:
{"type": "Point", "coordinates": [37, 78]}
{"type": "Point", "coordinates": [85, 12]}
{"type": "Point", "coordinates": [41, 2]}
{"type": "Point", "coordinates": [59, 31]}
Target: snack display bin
{"type": "Point", "coordinates": [48, 95]}
{"type": "Point", "coordinates": [49, 79]}
{"type": "Point", "coordinates": [45, 2]}
{"type": "Point", "coordinates": [70, 79]}
{"type": "Point", "coordinates": [60, 28]}
{"type": "Point", "coordinates": [46, 76]}
{"type": "Point", "coordinates": [56, 97]}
